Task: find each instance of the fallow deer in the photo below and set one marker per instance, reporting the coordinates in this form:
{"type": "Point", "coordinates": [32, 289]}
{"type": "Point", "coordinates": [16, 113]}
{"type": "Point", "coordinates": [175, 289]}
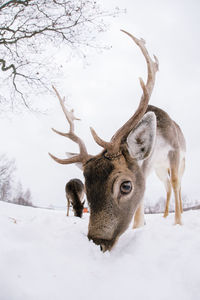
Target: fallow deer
{"type": "Point", "coordinates": [74, 190]}
{"type": "Point", "coordinates": [115, 178]}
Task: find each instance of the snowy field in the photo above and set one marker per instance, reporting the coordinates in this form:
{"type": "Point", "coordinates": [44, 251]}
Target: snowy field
{"type": "Point", "coordinates": [45, 255]}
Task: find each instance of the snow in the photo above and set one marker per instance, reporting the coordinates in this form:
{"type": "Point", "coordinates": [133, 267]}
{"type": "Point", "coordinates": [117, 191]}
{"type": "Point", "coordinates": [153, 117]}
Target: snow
{"type": "Point", "coordinates": [46, 255]}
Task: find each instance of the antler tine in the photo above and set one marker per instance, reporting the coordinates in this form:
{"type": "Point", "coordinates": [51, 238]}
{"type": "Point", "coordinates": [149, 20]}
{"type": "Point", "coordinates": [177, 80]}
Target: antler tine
{"type": "Point", "coordinates": [152, 67]}
{"type": "Point", "coordinates": [68, 114]}
{"type": "Point", "coordinates": [99, 141]}
{"type": "Point", "coordinates": [122, 133]}
{"type": "Point", "coordinates": [67, 161]}
{"type": "Point", "coordinates": [83, 156]}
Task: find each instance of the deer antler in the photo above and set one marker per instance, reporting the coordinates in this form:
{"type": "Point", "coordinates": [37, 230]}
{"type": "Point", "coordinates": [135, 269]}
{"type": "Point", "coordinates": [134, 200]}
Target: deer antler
{"type": "Point", "coordinates": [83, 156]}
{"type": "Point", "coordinates": [113, 146]}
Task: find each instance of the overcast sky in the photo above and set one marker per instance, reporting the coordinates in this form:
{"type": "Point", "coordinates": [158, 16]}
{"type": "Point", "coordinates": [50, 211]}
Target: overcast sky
{"type": "Point", "coordinates": [106, 91]}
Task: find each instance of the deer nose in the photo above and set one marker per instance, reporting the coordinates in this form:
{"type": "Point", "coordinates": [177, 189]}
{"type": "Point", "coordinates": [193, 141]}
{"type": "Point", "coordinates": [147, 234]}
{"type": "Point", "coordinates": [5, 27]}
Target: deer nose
{"type": "Point", "coordinates": [103, 243]}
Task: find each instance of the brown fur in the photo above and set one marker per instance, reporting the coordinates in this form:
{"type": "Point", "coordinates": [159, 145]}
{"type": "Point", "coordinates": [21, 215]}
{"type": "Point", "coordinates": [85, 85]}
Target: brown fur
{"type": "Point", "coordinates": [109, 215]}
{"type": "Point", "coordinates": [74, 193]}
{"type": "Point", "coordinates": [172, 134]}
{"type": "Point", "coordinates": [115, 179]}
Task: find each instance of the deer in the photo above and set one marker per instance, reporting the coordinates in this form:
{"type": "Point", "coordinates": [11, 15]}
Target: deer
{"type": "Point", "coordinates": [115, 178]}
{"type": "Point", "coordinates": [74, 190]}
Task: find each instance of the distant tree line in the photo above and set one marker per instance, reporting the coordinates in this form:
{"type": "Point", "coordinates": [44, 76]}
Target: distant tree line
{"type": "Point", "coordinates": [159, 206]}
{"type": "Point", "coordinates": [14, 193]}
{"type": "Point", "coordinates": [9, 191]}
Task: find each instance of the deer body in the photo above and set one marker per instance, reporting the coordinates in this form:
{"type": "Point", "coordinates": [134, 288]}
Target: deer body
{"type": "Point", "coordinates": [167, 160]}
{"type": "Point", "coordinates": [74, 193]}
{"type": "Point", "coordinates": [115, 178]}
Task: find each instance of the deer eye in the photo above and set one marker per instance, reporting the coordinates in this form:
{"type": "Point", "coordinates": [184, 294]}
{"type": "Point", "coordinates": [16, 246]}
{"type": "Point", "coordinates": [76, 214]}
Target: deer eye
{"type": "Point", "coordinates": [126, 187]}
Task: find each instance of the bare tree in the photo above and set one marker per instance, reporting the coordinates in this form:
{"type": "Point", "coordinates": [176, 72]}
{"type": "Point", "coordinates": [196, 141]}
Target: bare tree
{"type": "Point", "coordinates": [21, 197]}
{"type": "Point", "coordinates": [27, 197]}
{"type": "Point", "coordinates": [30, 28]}
{"type": "Point", "coordinates": [7, 168]}
{"type": "Point", "coordinates": [8, 190]}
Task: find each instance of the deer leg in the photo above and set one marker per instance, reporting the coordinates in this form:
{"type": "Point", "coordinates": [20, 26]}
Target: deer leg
{"type": "Point", "coordinates": [175, 181]}
{"type": "Point", "coordinates": [176, 189]}
{"type": "Point", "coordinates": [68, 204]}
{"type": "Point", "coordinates": [182, 169]}
{"type": "Point", "coordinates": [163, 175]}
{"type": "Point", "coordinates": [180, 199]}
{"type": "Point", "coordinates": [139, 220]}
{"type": "Point", "coordinates": [139, 216]}
{"type": "Point", "coordinates": [169, 192]}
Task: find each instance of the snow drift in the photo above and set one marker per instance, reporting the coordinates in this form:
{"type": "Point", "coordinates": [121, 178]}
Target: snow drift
{"type": "Point", "coordinates": [45, 255]}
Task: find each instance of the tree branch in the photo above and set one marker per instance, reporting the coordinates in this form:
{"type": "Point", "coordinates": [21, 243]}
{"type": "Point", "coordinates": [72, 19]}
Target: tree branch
{"type": "Point", "coordinates": [28, 29]}
{"type": "Point", "coordinates": [14, 2]}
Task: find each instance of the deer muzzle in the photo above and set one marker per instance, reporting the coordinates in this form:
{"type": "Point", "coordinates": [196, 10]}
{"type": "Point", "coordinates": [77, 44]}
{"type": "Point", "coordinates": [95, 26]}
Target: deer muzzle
{"type": "Point", "coordinates": [105, 245]}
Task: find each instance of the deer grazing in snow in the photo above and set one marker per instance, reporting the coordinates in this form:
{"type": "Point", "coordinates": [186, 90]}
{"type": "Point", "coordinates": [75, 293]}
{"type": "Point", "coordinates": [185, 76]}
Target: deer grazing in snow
{"type": "Point", "coordinates": [115, 178]}
{"type": "Point", "coordinates": [74, 193]}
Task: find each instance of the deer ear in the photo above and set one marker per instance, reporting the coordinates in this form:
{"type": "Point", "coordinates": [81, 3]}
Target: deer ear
{"type": "Point", "coordinates": [78, 164]}
{"type": "Point", "coordinates": [141, 139]}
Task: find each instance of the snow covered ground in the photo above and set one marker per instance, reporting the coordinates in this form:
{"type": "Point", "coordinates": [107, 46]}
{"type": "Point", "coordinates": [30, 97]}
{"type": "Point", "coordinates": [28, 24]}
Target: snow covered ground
{"type": "Point", "coordinates": [45, 255]}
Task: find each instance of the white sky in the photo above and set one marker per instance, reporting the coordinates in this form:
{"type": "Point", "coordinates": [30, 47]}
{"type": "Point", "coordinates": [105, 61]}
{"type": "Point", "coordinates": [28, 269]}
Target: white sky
{"type": "Point", "coordinates": [106, 92]}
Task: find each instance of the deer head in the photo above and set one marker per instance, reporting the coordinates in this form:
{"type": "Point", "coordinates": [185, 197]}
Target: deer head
{"type": "Point", "coordinates": [114, 181]}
